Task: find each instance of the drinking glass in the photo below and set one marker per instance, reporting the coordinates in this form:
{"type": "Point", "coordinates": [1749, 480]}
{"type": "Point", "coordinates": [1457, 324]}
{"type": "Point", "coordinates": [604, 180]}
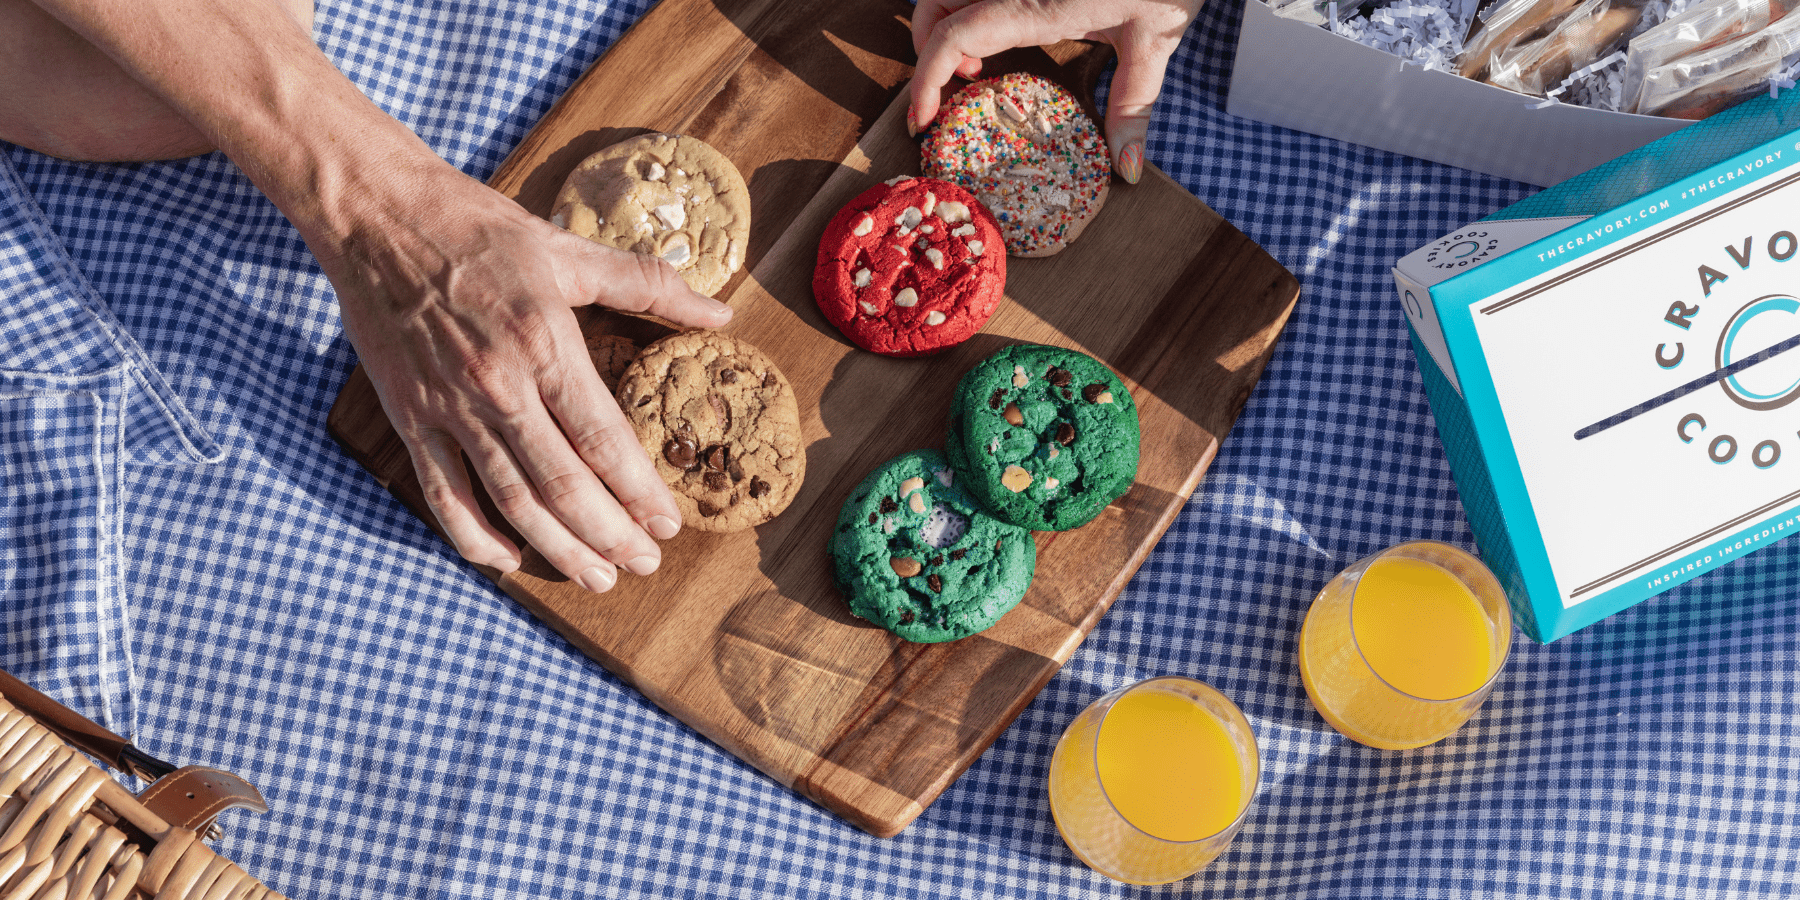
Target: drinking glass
{"type": "Point", "coordinates": [1170, 752]}
{"type": "Point", "coordinates": [1400, 649]}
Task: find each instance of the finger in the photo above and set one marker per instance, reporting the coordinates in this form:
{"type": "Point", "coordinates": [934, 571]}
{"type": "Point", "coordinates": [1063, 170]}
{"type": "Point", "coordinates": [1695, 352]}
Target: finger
{"type": "Point", "coordinates": [605, 441]}
{"type": "Point", "coordinates": [632, 282]}
{"type": "Point", "coordinates": [927, 14]}
{"type": "Point", "coordinates": [451, 496]}
{"type": "Point", "coordinates": [1135, 86]}
{"type": "Point", "coordinates": [973, 32]}
{"type": "Point", "coordinates": [511, 487]}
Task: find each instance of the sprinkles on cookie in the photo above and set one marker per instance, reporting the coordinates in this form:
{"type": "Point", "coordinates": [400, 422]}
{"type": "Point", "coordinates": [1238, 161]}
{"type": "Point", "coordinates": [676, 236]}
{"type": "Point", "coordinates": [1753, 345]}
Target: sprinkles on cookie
{"type": "Point", "coordinates": [1025, 148]}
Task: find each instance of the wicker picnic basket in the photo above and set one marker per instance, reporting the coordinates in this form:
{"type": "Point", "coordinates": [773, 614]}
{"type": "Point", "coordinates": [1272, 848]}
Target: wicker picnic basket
{"type": "Point", "coordinates": [68, 831]}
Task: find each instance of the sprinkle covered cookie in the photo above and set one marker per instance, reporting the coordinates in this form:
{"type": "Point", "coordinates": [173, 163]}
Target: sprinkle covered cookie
{"type": "Point", "coordinates": [915, 554]}
{"type": "Point", "coordinates": [1045, 437]}
{"type": "Point", "coordinates": [722, 426]}
{"type": "Point", "coordinates": [663, 195]}
{"type": "Point", "coordinates": [910, 268]}
{"type": "Point", "coordinates": [1025, 148]}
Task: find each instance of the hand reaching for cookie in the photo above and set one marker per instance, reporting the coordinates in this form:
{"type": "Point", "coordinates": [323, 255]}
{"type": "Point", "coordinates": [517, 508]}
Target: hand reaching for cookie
{"type": "Point", "coordinates": [461, 315]}
{"type": "Point", "coordinates": [953, 36]}
{"type": "Point", "coordinates": [457, 300]}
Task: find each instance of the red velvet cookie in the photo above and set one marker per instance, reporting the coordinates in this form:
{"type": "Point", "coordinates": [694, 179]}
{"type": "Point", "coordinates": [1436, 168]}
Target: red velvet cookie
{"type": "Point", "coordinates": [911, 267]}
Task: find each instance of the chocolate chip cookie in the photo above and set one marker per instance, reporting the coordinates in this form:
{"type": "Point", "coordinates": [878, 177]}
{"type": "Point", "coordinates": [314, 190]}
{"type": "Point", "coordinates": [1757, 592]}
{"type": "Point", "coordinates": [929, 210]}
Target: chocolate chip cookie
{"type": "Point", "coordinates": [916, 554]}
{"type": "Point", "coordinates": [721, 424]}
{"type": "Point", "coordinates": [1044, 436]}
{"type": "Point", "coordinates": [665, 195]}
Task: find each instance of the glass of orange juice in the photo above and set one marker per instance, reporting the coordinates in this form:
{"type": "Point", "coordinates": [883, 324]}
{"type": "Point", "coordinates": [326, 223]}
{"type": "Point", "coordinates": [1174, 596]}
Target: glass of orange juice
{"type": "Point", "coordinates": [1152, 781]}
{"type": "Point", "coordinates": [1400, 649]}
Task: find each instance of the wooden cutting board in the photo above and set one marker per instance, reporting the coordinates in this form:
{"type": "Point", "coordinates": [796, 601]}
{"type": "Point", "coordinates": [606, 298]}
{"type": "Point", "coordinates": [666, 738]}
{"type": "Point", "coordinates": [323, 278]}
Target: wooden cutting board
{"type": "Point", "coordinates": [742, 636]}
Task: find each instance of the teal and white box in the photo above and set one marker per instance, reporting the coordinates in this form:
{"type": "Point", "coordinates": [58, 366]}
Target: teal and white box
{"type": "Point", "coordinates": [1614, 366]}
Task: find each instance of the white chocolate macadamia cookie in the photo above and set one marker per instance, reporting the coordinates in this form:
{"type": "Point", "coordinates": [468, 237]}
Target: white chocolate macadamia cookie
{"type": "Point", "coordinates": [664, 195]}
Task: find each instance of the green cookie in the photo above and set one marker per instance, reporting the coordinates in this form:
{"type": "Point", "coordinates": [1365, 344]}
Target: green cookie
{"type": "Point", "coordinates": [918, 556]}
{"type": "Point", "coordinates": [1044, 437]}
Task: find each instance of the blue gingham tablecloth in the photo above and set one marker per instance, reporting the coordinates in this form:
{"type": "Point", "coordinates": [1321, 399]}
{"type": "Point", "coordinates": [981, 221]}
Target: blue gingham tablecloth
{"type": "Point", "coordinates": [187, 557]}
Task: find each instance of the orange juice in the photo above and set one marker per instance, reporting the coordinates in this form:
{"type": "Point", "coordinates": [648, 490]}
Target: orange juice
{"type": "Point", "coordinates": [1151, 782]}
{"type": "Point", "coordinates": [1400, 649]}
{"type": "Point", "coordinates": [1168, 766]}
{"type": "Point", "coordinates": [1421, 629]}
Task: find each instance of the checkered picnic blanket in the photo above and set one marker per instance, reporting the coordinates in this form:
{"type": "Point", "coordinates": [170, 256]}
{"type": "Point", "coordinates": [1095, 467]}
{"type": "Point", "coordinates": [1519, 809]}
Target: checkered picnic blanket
{"type": "Point", "coordinates": [187, 557]}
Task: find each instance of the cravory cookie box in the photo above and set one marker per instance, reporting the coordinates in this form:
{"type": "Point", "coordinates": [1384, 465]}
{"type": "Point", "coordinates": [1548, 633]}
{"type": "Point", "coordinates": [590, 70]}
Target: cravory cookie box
{"type": "Point", "coordinates": [1614, 367]}
{"type": "Point", "coordinates": [1301, 76]}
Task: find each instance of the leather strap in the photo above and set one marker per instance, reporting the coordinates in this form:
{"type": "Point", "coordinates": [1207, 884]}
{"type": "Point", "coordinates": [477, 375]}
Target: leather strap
{"type": "Point", "coordinates": [193, 796]}
{"type": "Point", "coordinates": [190, 797]}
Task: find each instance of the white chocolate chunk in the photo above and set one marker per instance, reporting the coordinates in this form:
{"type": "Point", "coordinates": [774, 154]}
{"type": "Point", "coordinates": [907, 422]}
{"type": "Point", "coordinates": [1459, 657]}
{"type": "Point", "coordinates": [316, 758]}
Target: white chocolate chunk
{"type": "Point", "coordinates": [945, 476]}
{"type": "Point", "coordinates": [953, 212]}
{"type": "Point", "coordinates": [906, 297]}
{"type": "Point", "coordinates": [867, 307]}
{"type": "Point", "coordinates": [1050, 483]}
{"type": "Point", "coordinates": [1020, 379]}
{"type": "Point", "coordinates": [861, 278]}
{"type": "Point", "coordinates": [676, 253]}
{"type": "Point", "coordinates": [908, 219]}
{"type": "Point", "coordinates": [930, 202]}
{"type": "Point", "coordinates": [654, 172]}
{"type": "Point", "coordinates": [934, 318]}
{"type": "Point", "coordinates": [672, 215]}
{"type": "Point", "coordinates": [863, 227]}
{"type": "Point", "coordinates": [964, 230]}
{"type": "Point", "coordinates": [897, 179]}
{"type": "Point", "coordinates": [975, 248]}
{"type": "Point", "coordinates": [916, 503]}
{"type": "Point", "coordinates": [914, 483]}
{"type": "Point", "coordinates": [935, 257]}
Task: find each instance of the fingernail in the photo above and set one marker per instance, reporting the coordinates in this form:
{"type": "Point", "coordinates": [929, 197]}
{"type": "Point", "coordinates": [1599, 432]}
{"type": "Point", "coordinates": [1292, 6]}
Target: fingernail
{"type": "Point", "coordinates": [1131, 162]}
{"type": "Point", "coordinates": [643, 565]}
{"type": "Point", "coordinates": [912, 123]}
{"type": "Point", "coordinates": [597, 579]}
{"type": "Point", "coordinates": [662, 527]}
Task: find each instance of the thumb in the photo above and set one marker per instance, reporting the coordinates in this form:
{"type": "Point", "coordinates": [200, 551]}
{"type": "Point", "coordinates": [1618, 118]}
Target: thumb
{"type": "Point", "coordinates": [1135, 86]}
{"type": "Point", "coordinates": [631, 282]}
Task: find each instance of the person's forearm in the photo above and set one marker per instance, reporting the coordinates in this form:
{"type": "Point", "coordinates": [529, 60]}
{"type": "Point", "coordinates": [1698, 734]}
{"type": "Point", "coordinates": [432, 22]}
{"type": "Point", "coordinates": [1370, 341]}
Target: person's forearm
{"type": "Point", "coordinates": [251, 79]}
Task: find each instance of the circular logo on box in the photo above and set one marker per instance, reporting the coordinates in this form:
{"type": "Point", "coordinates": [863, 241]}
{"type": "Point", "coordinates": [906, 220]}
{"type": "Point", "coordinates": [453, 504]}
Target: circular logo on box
{"type": "Point", "coordinates": [1761, 323]}
{"type": "Point", "coordinates": [1461, 250]}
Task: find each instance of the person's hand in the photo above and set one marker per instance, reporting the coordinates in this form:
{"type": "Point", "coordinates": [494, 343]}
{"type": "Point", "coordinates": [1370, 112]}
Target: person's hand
{"type": "Point", "coordinates": [953, 36]}
{"type": "Point", "coordinates": [460, 310]}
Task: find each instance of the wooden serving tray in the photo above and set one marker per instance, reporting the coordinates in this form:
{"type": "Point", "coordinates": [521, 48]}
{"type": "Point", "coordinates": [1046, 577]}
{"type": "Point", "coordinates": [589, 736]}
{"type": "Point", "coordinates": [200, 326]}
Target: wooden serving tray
{"type": "Point", "coordinates": [742, 636]}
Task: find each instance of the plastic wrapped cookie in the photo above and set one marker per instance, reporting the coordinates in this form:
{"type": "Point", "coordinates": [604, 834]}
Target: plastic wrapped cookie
{"type": "Point", "coordinates": [1025, 148]}
{"type": "Point", "coordinates": [917, 555]}
{"type": "Point", "coordinates": [665, 195]}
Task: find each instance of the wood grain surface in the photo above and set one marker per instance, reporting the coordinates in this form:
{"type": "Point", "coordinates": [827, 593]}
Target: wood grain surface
{"type": "Point", "coordinates": [742, 636]}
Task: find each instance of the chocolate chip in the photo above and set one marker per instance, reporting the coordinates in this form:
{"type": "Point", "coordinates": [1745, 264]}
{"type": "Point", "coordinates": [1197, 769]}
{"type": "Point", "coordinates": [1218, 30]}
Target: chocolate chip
{"type": "Point", "coordinates": [999, 395]}
{"type": "Point", "coordinates": [644, 402]}
{"type": "Point", "coordinates": [935, 583]}
{"type": "Point", "coordinates": [871, 518]}
{"type": "Point", "coordinates": [729, 376]}
{"type": "Point", "coordinates": [769, 379]}
{"type": "Point", "coordinates": [906, 617]}
{"type": "Point", "coordinates": [735, 470]}
{"type": "Point", "coordinates": [1068, 394]}
{"type": "Point", "coordinates": [888, 505]}
{"type": "Point", "coordinates": [717, 457]}
{"type": "Point", "coordinates": [958, 553]}
{"type": "Point", "coordinates": [716, 481]}
{"type": "Point", "coordinates": [1092, 392]}
{"type": "Point", "coordinates": [973, 569]}
{"type": "Point", "coordinates": [996, 545]}
{"type": "Point", "coordinates": [937, 560]}
{"type": "Point", "coordinates": [1059, 376]}
{"type": "Point", "coordinates": [679, 451]}
{"type": "Point", "coordinates": [758, 488]}
{"type": "Point", "coordinates": [1065, 434]}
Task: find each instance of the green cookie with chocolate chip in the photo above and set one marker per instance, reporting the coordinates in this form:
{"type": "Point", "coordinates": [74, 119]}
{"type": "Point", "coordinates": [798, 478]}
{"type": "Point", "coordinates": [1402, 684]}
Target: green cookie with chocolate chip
{"type": "Point", "coordinates": [915, 554]}
{"type": "Point", "coordinates": [1044, 437]}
